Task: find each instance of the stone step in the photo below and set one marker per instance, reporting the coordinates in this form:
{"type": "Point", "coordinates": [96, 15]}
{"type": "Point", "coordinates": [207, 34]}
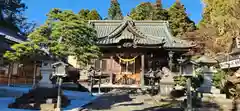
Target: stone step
{"type": "Point", "coordinates": [215, 91]}
{"type": "Point", "coordinates": [225, 104]}
{"type": "Point", "coordinates": [221, 100]}
{"type": "Point", "coordinates": [219, 96]}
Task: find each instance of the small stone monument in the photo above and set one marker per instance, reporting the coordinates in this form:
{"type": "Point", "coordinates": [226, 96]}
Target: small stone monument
{"type": "Point", "coordinates": [167, 82]}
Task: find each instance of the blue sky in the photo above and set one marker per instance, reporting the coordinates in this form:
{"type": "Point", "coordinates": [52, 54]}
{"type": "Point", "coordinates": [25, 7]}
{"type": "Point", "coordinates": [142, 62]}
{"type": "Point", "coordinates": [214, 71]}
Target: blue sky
{"type": "Point", "coordinates": [37, 9]}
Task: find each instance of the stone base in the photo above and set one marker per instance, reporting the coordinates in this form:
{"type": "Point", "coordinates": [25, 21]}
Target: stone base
{"type": "Point", "coordinates": [48, 107]}
{"type": "Point", "coordinates": [37, 97]}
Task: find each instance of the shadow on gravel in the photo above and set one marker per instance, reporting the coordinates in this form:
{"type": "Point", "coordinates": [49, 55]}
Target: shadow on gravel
{"type": "Point", "coordinates": [106, 101]}
{"type": "Point", "coordinates": [166, 107]}
{"type": "Point", "coordinates": [131, 104]}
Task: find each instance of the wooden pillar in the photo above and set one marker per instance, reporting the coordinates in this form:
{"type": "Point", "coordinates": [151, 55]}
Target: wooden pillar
{"type": "Point", "coordinates": [92, 80]}
{"type": "Point", "coordinates": [100, 75]}
{"type": "Point", "coordinates": [142, 70]}
{"type": "Point", "coordinates": [34, 74]}
{"type": "Point", "coordinates": [10, 73]}
{"type": "Point", "coordinates": [111, 75]}
{"type": "Point", "coordinates": [170, 54]}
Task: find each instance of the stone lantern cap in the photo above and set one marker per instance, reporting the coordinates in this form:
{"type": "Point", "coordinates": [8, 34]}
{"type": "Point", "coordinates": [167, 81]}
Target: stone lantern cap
{"type": "Point", "coordinates": [206, 60]}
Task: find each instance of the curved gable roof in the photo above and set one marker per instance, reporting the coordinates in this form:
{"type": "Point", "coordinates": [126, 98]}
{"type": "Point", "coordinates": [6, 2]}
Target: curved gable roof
{"type": "Point", "coordinates": [151, 32]}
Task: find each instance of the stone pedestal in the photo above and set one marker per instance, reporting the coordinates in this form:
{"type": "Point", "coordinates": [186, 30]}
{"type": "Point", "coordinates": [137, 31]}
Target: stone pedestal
{"type": "Point", "coordinates": [207, 84]}
{"type": "Point", "coordinates": [166, 83]}
{"type": "Point", "coordinates": [46, 71]}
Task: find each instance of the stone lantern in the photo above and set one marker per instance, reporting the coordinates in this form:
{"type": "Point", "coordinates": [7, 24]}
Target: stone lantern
{"type": "Point", "coordinates": [187, 68]}
{"type": "Point", "coordinates": [207, 64]}
{"type": "Point", "coordinates": [59, 69]}
{"type": "Point", "coordinates": [46, 70]}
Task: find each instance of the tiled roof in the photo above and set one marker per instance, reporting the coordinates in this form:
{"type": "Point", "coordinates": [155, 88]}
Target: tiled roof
{"type": "Point", "coordinates": [4, 46]}
{"type": "Point", "coordinates": [11, 35]}
{"type": "Point", "coordinates": [142, 32]}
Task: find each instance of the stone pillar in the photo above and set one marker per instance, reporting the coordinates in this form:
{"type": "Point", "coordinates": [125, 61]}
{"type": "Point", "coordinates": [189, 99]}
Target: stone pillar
{"type": "Point", "coordinates": [46, 71]}
{"type": "Point", "coordinates": [170, 54]}
{"type": "Point", "coordinates": [100, 76]}
{"type": "Point", "coordinates": [207, 75]}
{"type": "Point", "coordinates": [142, 70]}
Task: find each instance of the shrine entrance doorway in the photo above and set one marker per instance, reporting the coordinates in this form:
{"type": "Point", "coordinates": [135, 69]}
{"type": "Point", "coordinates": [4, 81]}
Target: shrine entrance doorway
{"type": "Point", "coordinates": [129, 73]}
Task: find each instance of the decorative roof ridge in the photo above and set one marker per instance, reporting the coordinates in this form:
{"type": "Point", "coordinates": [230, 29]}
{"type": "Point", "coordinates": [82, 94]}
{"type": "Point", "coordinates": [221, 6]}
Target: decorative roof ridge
{"type": "Point", "coordinates": [136, 21]}
{"type": "Point", "coordinates": [129, 24]}
{"type": "Point", "coordinates": [166, 29]}
{"type": "Point", "coordinates": [103, 21]}
{"type": "Point", "coordinates": [118, 29]}
{"type": "Point", "coordinates": [134, 30]}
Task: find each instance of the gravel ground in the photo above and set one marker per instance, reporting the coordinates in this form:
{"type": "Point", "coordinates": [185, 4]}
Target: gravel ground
{"type": "Point", "coordinates": [125, 101]}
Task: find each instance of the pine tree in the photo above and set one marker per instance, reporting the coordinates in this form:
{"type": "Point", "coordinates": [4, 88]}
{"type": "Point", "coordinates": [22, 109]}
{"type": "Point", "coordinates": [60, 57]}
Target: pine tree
{"type": "Point", "coordinates": [148, 11]}
{"type": "Point", "coordinates": [89, 15]}
{"type": "Point", "coordinates": [12, 16]}
{"type": "Point", "coordinates": [144, 11]}
{"type": "Point", "coordinates": [83, 13]}
{"type": "Point", "coordinates": [179, 20]}
{"type": "Point", "coordinates": [159, 13]}
{"type": "Point", "coordinates": [78, 39]}
{"type": "Point", "coordinates": [114, 12]}
{"type": "Point", "coordinates": [93, 15]}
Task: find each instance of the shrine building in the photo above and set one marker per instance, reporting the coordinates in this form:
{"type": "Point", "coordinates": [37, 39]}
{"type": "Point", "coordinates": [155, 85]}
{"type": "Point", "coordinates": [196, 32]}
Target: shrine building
{"type": "Point", "coordinates": [131, 48]}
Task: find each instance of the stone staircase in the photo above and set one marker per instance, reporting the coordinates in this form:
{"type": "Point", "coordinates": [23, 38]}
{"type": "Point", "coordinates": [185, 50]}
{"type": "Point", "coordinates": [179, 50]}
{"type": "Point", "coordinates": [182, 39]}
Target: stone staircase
{"type": "Point", "coordinates": [220, 99]}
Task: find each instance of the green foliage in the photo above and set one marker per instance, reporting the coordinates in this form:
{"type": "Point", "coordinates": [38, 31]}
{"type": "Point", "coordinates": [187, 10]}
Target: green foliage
{"type": "Point", "coordinates": [93, 15]}
{"type": "Point", "coordinates": [89, 15]}
{"type": "Point", "coordinates": [12, 16]}
{"type": "Point", "coordinates": [160, 14]}
{"type": "Point", "coordinates": [218, 77]}
{"type": "Point", "coordinates": [78, 39]}
{"type": "Point", "coordinates": [176, 15]}
{"type": "Point", "coordinates": [114, 12]}
{"type": "Point", "coordinates": [144, 11]}
{"type": "Point", "coordinates": [180, 80]}
{"type": "Point", "coordinates": [222, 16]}
{"type": "Point", "coordinates": [179, 20]}
{"type": "Point", "coordinates": [196, 80]}
{"type": "Point", "coordinates": [84, 13]}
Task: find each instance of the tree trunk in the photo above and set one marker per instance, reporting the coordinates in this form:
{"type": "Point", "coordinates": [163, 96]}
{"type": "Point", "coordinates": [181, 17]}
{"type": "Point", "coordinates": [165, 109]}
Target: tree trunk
{"type": "Point", "coordinates": [34, 73]}
{"type": "Point", "coordinates": [1, 15]}
{"type": "Point", "coordinates": [10, 70]}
